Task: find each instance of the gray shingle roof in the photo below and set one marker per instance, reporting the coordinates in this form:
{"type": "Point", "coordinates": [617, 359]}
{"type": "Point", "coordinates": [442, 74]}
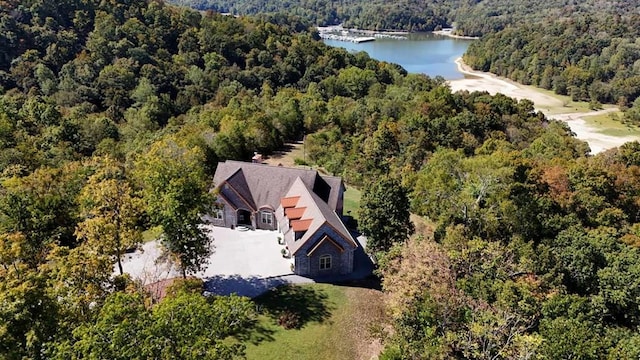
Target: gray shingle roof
{"type": "Point", "coordinates": [267, 184]}
{"type": "Point", "coordinates": [319, 211]}
{"type": "Point", "coordinates": [239, 184]}
{"type": "Point", "coordinates": [263, 185]}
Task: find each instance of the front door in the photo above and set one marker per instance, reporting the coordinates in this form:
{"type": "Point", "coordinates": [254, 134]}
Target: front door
{"type": "Point", "coordinates": [244, 218]}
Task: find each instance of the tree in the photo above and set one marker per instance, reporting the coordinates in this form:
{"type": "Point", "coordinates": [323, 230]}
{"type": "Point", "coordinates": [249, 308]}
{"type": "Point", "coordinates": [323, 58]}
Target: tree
{"type": "Point", "coordinates": [27, 312]}
{"type": "Point", "coordinates": [384, 214]}
{"type": "Point", "coordinates": [183, 326]}
{"type": "Point", "coordinates": [111, 212]}
{"type": "Point", "coordinates": [176, 192]}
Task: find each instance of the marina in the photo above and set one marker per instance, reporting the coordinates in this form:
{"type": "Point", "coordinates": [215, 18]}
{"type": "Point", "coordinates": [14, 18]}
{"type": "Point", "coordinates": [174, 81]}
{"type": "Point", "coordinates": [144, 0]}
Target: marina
{"type": "Point", "coordinates": [349, 38]}
{"type": "Point", "coordinates": [339, 33]}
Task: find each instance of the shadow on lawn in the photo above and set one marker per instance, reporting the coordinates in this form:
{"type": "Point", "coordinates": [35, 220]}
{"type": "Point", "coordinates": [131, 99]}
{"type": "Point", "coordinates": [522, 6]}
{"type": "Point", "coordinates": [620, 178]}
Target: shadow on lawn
{"type": "Point", "coordinates": [308, 303]}
{"type": "Point", "coordinates": [256, 333]}
{"type": "Point", "coordinates": [243, 286]}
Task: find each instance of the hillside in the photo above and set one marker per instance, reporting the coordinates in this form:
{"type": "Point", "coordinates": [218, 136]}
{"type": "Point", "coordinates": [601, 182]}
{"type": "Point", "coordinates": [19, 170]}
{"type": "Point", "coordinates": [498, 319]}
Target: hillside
{"type": "Point", "coordinates": [113, 116]}
{"type": "Point", "coordinates": [583, 49]}
{"type": "Point", "coordinates": [471, 18]}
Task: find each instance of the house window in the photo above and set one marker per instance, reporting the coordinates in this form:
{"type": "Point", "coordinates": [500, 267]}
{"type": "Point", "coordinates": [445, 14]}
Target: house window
{"type": "Point", "coordinates": [325, 262]}
{"type": "Point", "coordinates": [267, 217]}
{"type": "Point", "coordinates": [218, 214]}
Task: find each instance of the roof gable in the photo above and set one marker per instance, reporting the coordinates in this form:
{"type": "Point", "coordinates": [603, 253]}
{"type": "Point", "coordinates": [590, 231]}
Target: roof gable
{"type": "Point", "coordinates": [316, 214]}
{"type": "Point", "coordinates": [238, 184]}
{"type": "Point", "coordinates": [268, 184]}
{"type": "Point", "coordinates": [323, 240]}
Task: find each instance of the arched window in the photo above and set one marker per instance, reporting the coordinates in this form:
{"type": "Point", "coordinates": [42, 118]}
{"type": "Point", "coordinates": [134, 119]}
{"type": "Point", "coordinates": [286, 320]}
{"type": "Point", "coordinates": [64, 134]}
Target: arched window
{"type": "Point", "coordinates": [266, 217]}
{"type": "Point", "coordinates": [325, 262]}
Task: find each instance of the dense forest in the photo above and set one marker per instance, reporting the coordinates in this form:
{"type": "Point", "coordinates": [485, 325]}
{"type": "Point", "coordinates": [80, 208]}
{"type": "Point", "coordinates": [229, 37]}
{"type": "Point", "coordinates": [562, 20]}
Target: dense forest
{"type": "Point", "coordinates": [113, 116]}
{"type": "Point", "coordinates": [471, 18]}
{"type": "Point", "coordinates": [375, 15]}
{"type": "Point", "coordinates": [587, 50]}
{"type": "Point", "coordinates": [589, 58]}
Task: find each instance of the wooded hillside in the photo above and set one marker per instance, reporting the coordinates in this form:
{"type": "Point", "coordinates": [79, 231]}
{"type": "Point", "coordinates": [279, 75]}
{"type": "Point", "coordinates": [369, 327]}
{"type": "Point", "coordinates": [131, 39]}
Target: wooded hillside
{"type": "Point", "coordinates": [590, 58]}
{"type": "Point", "coordinates": [114, 115]}
{"type": "Point", "coordinates": [587, 49]}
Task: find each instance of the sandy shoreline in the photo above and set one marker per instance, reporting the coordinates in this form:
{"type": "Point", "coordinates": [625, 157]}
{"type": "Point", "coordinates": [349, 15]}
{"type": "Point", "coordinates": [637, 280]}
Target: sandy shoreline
{"type": "Point", "coordinates": [449, 34]}
{"type": "Point", "coordinates": [481, 81]}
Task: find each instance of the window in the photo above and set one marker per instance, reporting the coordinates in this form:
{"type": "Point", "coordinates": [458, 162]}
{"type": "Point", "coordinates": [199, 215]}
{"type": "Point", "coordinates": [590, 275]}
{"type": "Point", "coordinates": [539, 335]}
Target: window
{"type": "Point", "coordinates": [218, 214]}
{"type": "Point", "coordinates": [325, 262]}
{"type": "Point", "coordinates": [267, 217]}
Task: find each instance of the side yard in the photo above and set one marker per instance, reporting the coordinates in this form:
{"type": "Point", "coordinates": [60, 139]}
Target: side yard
{"type": "Point", "coordinates": [351, 202]}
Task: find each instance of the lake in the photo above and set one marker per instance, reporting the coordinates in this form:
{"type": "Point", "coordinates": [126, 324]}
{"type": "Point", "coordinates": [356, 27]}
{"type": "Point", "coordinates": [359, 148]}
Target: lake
{"type": "Point", "coordinates": [420, 53]}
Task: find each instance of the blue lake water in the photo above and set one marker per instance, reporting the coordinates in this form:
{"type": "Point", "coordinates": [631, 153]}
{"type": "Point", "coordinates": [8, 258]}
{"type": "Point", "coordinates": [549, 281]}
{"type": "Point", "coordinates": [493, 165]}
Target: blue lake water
{"type": "Point", "coordinates": [420, 53]}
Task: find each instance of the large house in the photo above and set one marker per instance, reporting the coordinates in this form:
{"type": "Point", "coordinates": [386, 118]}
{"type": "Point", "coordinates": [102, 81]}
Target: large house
{"type": "Point", "coordinates": [304, 205]}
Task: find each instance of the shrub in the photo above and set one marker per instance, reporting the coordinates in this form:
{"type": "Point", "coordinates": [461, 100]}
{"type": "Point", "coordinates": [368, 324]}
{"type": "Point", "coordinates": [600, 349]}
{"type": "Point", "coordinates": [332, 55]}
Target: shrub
{"type": "Point", "coordinates": [289, 320]}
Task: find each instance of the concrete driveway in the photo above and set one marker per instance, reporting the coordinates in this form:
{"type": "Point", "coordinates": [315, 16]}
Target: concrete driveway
{"type": "Point", "coordinates": [251, 254]}
{"type": "Point", "coordinates": [246, 263]}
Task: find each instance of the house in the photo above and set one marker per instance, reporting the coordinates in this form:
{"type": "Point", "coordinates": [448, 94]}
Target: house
{"type": "Point", "coordinates": [304, 205]}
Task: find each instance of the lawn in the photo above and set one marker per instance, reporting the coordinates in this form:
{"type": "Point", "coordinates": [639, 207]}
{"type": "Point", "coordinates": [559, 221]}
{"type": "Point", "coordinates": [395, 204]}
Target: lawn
{"type": "Point", "coordinates": [351, 202]}
{"type": "Point", "coordinates": [334, 323]}
{"type": "Point", "coordinates": [568, 105]}
{"type": "Point", "coordinates": [610, 124]}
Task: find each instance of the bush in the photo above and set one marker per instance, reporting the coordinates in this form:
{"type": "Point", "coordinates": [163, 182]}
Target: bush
{"type": "Point", "coordinates": [289, 320]}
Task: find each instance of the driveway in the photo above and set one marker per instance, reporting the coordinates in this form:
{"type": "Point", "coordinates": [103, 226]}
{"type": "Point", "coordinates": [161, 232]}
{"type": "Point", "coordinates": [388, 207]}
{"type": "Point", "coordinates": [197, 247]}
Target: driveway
{"type": "Point", "coordinates": [236, 254]}
{"type": "Point", "coordinates": [251, 253]}
{"type": "Point", "coordinates": [247, 263]}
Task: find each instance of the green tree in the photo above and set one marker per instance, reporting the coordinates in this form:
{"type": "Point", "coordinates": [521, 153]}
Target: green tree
{"type": "Point", "coordinates": [111, 212]}
{"type": "Point", "coordinates": [176, 191]}
{"type": "Point", "coordinates": [182, 327]}
{"type": "Point", "coordinates": [384, 214]}
{"type": "Point", "coordinates": [27, 313]}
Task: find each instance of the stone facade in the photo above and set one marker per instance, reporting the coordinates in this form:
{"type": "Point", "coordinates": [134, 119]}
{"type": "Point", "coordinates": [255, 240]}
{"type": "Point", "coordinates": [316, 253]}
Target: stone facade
{"type": "Point", "coordinates": [341, 261]}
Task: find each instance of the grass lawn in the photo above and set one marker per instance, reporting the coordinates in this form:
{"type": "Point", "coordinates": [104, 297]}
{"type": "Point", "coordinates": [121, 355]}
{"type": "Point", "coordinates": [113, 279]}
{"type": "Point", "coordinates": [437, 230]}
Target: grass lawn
{"type": "Point", "coordinates": [334, 323]}
{"type": "Point", "coordinates": [566, 105]}
{"type": "Point", "coordinates": [610, 124]}
{"type": "Point", "coordinates": [351, 202]}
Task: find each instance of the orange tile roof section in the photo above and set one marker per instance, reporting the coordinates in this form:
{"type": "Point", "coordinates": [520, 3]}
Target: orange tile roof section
{"type": "Point", "coordinates": [301, 225]}
{"type": "Point", "coordinates": [294, 213]}
{"type": "Point", "coordinates": [289, 202]}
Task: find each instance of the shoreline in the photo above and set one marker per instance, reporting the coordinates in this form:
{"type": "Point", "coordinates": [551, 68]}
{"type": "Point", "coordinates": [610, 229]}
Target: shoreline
{"type": "Point", "coordinates": [552, 107]}
{"type": "Point", "coordinates": [451, 35]}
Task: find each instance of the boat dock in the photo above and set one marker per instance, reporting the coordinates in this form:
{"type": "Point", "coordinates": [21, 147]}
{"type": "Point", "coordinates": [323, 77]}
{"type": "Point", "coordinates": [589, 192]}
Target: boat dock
{"type": "Point", "coordinates": [349, 38]}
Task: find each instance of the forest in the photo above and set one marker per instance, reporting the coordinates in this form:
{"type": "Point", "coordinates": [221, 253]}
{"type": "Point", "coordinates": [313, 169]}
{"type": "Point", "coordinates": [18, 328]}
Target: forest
{"type": "Point", "coordinates": [589, 58]}
{"type": "Point", "coordinates": [587, 50]}
{"type": "Point", "coordinates": [471, 18]}
{"type": "Point", "coordinates": [113, 116]}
